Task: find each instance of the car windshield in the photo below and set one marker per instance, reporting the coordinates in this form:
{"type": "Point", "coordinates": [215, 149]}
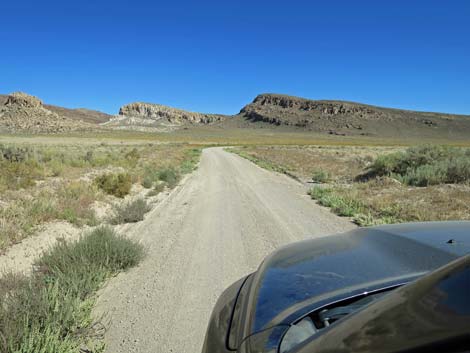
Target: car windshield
{"type": "Point", "coordinates": [320, 319]}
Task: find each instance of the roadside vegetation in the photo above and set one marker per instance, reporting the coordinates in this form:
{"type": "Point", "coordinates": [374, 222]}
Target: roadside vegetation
{"type": "Point", "coordinates": [424, 166]}
{"type": "Point", "coordinates": [130, 212]}
{"type": "Point", "coordinates": [50, 310]}
{"type": "Point", "coordinates": [118, 185]}
{"type": "Point", "coordinates": [45, 183]}
{"type": "Point", "coordinates": [378, 185]}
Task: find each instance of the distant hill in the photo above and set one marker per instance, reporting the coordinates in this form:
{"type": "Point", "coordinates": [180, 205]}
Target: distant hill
{"type": "Point", "coordinates": [157, 117]}
{"type": "Point", "coordinates": [21, 112]}
{"type": "Point", "coordinates": [276, 112]}
{"type": "Point", "coordinates": [348, 118]}
{"type": "Point", "coordinates": [80, 114]}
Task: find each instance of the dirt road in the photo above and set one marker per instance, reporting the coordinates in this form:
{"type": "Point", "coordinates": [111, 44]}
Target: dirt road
{"type": "Point", "coordinates": [214, 229]}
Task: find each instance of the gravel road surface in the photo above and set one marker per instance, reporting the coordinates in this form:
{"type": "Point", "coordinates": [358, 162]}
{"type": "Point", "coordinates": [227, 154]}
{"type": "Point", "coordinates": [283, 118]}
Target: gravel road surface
{"type": "Point", "coordinates": [213, 229]}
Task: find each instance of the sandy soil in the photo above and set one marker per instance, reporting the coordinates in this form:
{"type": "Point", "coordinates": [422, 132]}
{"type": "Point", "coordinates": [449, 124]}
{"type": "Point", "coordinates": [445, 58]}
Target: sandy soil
{"type": "Point", "coordinates": [212, 230]}
{"type": "Point", "coordinates": [20, 257]}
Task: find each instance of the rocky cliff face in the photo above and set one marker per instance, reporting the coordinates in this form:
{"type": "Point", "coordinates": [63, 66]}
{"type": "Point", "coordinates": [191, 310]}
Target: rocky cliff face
{"type": "Point", "coordinates": [331, 108]}
{"type": "Point", "coordinates": [339, 117]}
{"type": "Point", "coordinates": [285, 110]}
{"type": "Point", "coordinates": [156, 117]}
{"type": "Point", "coordinates": [156, 112]}
{"type": "Point", "coordinates": [25, 113]}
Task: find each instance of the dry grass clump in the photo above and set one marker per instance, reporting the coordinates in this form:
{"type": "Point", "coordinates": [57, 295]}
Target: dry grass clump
{"type": "Point", "coordinates": [409, 203]}
{"type": "Point", "coordinates": [70, 202]}
{"type": "Point", "coordinates": [320, 176]}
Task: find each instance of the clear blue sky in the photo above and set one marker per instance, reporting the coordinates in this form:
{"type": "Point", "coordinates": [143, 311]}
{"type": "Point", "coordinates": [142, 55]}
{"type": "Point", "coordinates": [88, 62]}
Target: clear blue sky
{"type": "Point", "coordinates": [216, 56]}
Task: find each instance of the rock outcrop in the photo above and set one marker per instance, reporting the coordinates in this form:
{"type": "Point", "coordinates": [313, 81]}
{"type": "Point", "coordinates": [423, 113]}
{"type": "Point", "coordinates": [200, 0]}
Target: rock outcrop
{"type": "Point", "coordinates": [22, 112]}
{"type": "Point", "coordinates": [345, 118]}
{"type": "Point", "coordinates": [171, 115]}
{"type": "Point", "coordinates": [157, 117]}
{"type": "Point", "coordinates": [285, 110]}
{"type": "Point", "coordinates": [23, 100]}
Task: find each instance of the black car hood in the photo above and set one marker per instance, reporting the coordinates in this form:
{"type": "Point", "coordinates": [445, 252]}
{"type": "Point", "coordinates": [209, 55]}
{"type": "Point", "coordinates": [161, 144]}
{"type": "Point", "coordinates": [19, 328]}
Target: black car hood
{"type": "Point", "coordinates": [303, 276]}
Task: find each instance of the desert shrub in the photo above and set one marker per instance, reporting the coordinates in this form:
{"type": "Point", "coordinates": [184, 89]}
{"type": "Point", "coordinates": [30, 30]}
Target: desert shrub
{"type": "Point", "coordinates": [74, 202]}
{"type": "Point", "coordinates": [100, 252]}
{"type": "Point", "coordinates": [320, 176]}
{"type": "Point", "coordinates": [18, 219]}
{"type": "Point", "coordinates": [428, 174]}
{"type": "Point", "coordinates": [149, 177]}
{"type": "Point", "coordinates": [341, 205]}
{"type": "Point", "coordinates": [19, 175]}
{"type": "Point", "coordinates": [16, 154]}
{"type": "Point", "coordinates": [118, 185]}
{"type": "Point", "coordinates": [133, 156]}
{"type": "Point", "coordinates": [130, 212]}
{"type": "Point", "coordinates": [191, 159]}
{"type": "Point", "coordinates": [350, 206]}
{"type": "Point", "coordinates": [425, 165]}
{"type": "Point", "coordinates": [458, 169]}
{"type": "Point", "coordinates": [319, 192]}
{"type": "Point", "coordinates": [147, 181]}
{"type": "Point", "coordinates": [158, 188]}
{"type": "Point", "coordinates": [169, 175]}
{"type": "Point", "coordinates": [70, 202]}
{"type": "Point", "coordinates": [56, 168]}
{"type": "Point", "coordinates": [50, 312]}
{"type": "Point", "coordinates": [88, 157]}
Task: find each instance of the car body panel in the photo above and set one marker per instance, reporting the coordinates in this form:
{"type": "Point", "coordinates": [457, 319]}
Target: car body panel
{"type": "Point", "coordinates": [219, 324]}
{"type": "Point", "coordinates": [313, 268]}
{"type": "Point", "coordinates": [431, 314]}
{"type": "Point", "coordinates": [305, 276]}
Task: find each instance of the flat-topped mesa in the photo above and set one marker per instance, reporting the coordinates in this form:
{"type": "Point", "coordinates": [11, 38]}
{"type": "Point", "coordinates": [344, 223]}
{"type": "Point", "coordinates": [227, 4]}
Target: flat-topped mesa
{"type": "Point", "coordinates": [157, 112]}
{"type": "Point", "coordinates": [321, 107]}
{"type": "Point", "coordinates": [349, 118]}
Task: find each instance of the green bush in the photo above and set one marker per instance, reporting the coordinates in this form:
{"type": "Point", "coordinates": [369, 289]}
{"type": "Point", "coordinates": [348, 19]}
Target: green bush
{"type": "Point", "coordinates": [132, 157]}
{"type": "Point", "coordinates": [118, 185]}
{"type": "Point", "coordinates": [348, 206]}
{"type": "Point", "coordinates": [428, 174]}
{"type": "Point", "coordinates": [458, 169]}
{"type": "Point", "coordinates": [147, 182]}
{"type": "Point", "coordinates": [50, 312]}
{"type": "Point", "coordinates": [192, 158]}
{"type": "Point", "coordinates": [74, 202]}
{"type": "Point", "coordinates": [16, 154]}
{"type": "Point", "coordinates": [150, 176]}
{"type": "Point", "coordinates": [130, 212]}
{"type": "Point", "coordinates": [425, 165]}
{"type": "Point", "coordinates": [158, 188]}
{"type": "Point", "coordinates": [341, 205]}
{"type": "Point", "coordinates": [320, 176]}
{"type": "Point", "coordinates": [19, 175]}
{"type": "Point", "coordinates": [170, 176]}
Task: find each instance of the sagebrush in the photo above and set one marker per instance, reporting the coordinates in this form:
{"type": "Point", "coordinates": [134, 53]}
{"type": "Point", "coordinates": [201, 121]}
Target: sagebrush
{"type": "Point", "coordinates": [50, 311]}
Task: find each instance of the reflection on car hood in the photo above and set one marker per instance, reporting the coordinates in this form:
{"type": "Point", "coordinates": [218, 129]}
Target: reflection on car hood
{"type": "Point", "coordinates": [306, 272]}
